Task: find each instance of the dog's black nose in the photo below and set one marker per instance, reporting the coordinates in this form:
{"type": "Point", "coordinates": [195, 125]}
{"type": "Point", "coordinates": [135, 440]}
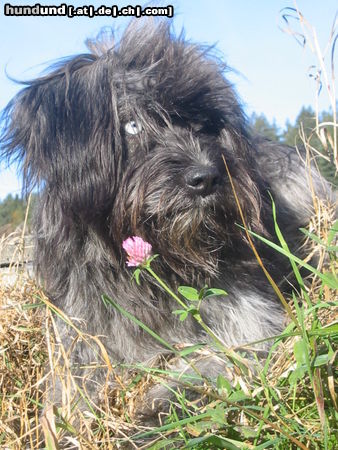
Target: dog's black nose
{"type": "Point", "coordinates": [203, 180]}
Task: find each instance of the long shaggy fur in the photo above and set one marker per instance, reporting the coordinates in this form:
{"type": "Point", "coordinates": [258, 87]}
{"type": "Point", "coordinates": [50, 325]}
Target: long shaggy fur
{"type": "Point", "coordinates": [165, 182]}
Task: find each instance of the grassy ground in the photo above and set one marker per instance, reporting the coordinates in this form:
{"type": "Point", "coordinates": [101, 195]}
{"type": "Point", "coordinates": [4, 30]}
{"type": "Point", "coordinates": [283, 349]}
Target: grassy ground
{"type": "Point", "coordinates": [289, 402]}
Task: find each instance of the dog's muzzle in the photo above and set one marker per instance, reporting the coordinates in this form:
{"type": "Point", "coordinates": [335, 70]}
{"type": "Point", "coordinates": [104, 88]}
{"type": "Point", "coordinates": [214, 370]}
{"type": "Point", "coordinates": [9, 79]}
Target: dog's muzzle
{"type": "Point", "coordinates": [202, 180]}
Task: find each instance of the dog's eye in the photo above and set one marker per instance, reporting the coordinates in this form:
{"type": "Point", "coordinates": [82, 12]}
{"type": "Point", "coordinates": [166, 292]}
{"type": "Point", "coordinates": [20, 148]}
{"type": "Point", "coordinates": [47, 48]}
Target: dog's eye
{"type": "Point", "coordinates": [133, 127]}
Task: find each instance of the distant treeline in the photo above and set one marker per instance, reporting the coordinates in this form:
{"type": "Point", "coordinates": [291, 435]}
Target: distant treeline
{"type": "Point", "coordinates": [13, 211]}
{"type": "Point", "coordinates": [13, 208]}
{"type": "Point", "coordinates": [305, 121]}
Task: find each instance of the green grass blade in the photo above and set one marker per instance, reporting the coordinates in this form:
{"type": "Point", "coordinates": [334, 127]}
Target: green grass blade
{"type": "Point", "coordinates": [152, 333]}
{"type": "Point", "coordinates": [331, 282]}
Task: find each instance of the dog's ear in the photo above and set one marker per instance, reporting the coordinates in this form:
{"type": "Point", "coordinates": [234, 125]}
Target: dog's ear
{"type": "Point", "coordinates": [25, 127]}
{"type": "Point", "coordinates": [33, 122]}
{"type": "Point", "coordinates": [60, 129]}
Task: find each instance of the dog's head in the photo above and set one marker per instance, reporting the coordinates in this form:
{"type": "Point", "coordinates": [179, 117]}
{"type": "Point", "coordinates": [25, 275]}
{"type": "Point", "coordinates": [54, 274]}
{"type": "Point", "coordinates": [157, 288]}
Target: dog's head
{"type": "Point", "coordinates": [129, 139]}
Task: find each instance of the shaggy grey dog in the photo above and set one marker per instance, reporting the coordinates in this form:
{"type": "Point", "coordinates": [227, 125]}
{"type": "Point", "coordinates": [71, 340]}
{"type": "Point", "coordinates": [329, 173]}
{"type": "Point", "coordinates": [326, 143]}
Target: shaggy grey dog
{"type": "Point", "coordinates": [128, 140]}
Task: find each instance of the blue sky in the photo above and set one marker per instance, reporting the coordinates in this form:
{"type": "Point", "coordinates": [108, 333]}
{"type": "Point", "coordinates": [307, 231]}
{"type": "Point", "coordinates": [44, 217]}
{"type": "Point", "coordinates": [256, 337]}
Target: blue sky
{"type": "Point", "coordinates": [271, 68]}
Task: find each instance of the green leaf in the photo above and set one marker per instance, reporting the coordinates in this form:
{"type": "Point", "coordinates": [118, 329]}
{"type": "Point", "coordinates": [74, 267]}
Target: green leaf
{"type": "Point", "coordinates": [193, 348]}
{"type": "Point", "coordinates": [223, 384]}
{"type": "Point", "coordinates": [213, 292]}
{"type": "Point", "coordinates": [182, 313]}
{"type": "Point", "coordinates": [192, 310]}
{"type": "Point", "coordinates": [321, 360]}
{"type": "Point", "coordinates": [248, 432]}
{"type": "Point", "coordinates": [136, 275]}
{"type": "Point", "coordinates": [238, 396]}
{"type": "Point", "coordinates": [202, 292]}
{"type": "Point", "coordinates": [217, 414]}
{"type": "Point", "coordinates": [178, 311]}
{"type": "Point", "coordinates": [183, 316]}
{"type": "Point", "coordinates": [300, 351]}
{"type": "Point", "coordinates": [297, 374]}
{"type": "Point", "coordinates": [189, 293]}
